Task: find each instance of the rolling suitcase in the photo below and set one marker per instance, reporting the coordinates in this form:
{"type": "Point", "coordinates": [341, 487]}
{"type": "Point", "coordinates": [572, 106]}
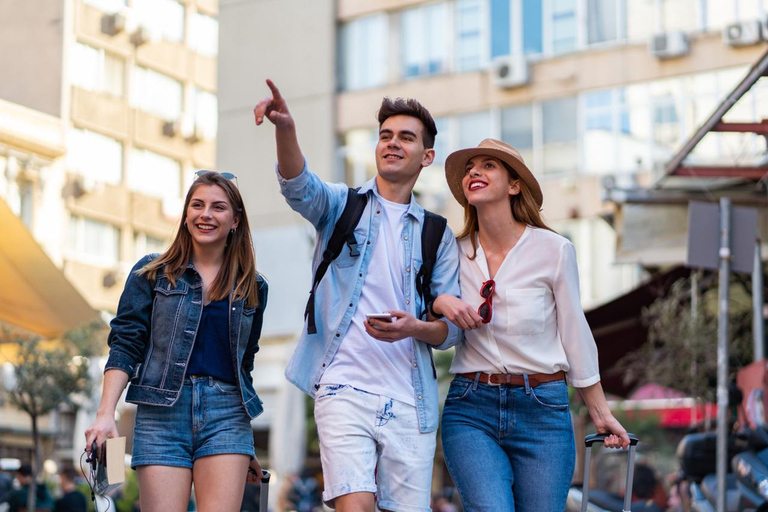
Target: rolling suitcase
{"type": "Point", "coordinates": [599, 438]}
{"type": "Point", "coordinates": [264, 492]}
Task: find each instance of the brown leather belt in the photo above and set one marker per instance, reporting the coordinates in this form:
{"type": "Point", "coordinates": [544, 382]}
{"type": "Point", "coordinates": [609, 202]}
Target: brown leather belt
{"type": "Point", "coordinates": [509, 379]}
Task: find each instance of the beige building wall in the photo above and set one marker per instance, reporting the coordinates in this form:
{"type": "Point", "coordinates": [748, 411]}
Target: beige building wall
{"type": "Point", "coordinates": [32, 36]}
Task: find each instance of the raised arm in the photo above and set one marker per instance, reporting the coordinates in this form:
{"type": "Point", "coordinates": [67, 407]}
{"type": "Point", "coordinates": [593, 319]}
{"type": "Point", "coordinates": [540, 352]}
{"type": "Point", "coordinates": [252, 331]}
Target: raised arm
{"type": "Point", "coordinates": [290, 160]}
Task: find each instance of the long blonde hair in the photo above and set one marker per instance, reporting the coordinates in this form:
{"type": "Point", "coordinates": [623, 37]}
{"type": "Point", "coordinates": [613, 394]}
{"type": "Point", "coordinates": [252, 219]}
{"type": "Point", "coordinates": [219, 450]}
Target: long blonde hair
{"type": "Point", "coordinates": [524, 209]}
{"type": "Point", "coordinates": [238, 273]}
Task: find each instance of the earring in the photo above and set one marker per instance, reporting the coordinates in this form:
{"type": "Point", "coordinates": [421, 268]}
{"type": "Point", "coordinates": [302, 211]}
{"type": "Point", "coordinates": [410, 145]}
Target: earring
{"type": "Point", "coordinates": [185, 224]}
{"type": "Point", "coordinates": [232, 231]}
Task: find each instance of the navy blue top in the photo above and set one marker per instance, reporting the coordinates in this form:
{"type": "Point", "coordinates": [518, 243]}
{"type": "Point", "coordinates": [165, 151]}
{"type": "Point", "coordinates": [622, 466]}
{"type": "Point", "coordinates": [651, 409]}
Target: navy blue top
{"type": "Point", "coordinates": [211, 354]}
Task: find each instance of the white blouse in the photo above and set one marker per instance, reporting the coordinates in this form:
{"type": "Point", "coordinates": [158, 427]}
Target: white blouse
{"type": "Point", "coordinates": [538, 325]}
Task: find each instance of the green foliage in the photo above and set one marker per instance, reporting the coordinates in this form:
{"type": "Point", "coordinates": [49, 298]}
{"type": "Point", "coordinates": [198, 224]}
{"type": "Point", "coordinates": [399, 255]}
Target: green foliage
{"type": "Point", "coordinates": [87, 340]}
{"type": "Point", "coordinates": [681, 352]}
{"type": "Point", "coordinates": [45, 377]}
{"type": "Point", "coordinates": [130, 493]}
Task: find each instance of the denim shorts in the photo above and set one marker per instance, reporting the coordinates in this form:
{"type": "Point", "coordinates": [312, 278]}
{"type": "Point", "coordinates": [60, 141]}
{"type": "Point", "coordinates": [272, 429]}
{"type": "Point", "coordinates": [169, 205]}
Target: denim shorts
{"type": "Point", "coordinates": [372, 443]}
{"type": "Point", "coordinates": [509, 448]}
{"type": "Point", "coordinates": [208, 419]}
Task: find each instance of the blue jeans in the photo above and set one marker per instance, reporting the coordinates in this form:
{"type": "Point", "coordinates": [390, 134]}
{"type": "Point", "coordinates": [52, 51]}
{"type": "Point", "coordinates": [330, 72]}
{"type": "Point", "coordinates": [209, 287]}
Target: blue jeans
{"type": "Point", "coordinates": [509, 448]}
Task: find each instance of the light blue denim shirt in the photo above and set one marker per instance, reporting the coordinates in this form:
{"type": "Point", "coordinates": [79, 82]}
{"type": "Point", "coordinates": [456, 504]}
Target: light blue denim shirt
{"type": "Point", "coordinates": [338, 293]}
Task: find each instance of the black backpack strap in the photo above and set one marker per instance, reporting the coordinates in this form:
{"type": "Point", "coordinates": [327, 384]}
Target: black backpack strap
{"type": "Point", "coordinates": [343, 232]}
{"type": "Point", "coordinates": [431, 235]}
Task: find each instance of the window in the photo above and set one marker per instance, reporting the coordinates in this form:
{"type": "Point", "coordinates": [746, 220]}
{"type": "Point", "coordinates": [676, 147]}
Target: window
{"type": "Point", "coordinates": [154, 175]}
{"type": "Point", "coordinates": [96, 157]}
{"type": "Point", "coordinates": [94, 241]}
{"type": "Point", "coordinates": [93, 69]}
{"type": "Point", "coordinates": [425, 40]}
{"type": "Point", "coordinates": [472, 128]}
{"type": "Point", "coordinates": [363, 53]}
{"type": "Point", "coordinates": [359, 155]}
{"type": "Point", "coordinates": [559, 136]}
{"type": "Point", "coordinates": [442, 141]}
{"type": "Point", "coordinates": [608, 145]}
{"type": "Point", "coordinates": [641, 20]}
{"type": "Point", "coordinates": [204, 35]}
{"type": "Point", "coordinates": [108, 6]}
{"type": "Point", "coordinates": [501, 27]}
{"type": "Point", "coordinates": [680, 15]}
{"type": "Point", "coordinates": [517, 131]}
{"type": "Point", "coordinates": [204, 110]}
{"type": "Point", "coordinates": [533, 36]}
{"type": "Point", "coordinates": [163, 17]}
{"type": "Point", "coordinates": [564, 28]}
{"type": "Point", "coordinates": [156, 93]}
{"type": "Point", "coordinates": [602, 21]}
{"type": "Point", "coordinates": [469, 40]}
{"type": "Point", "coordinates": [147, 244]}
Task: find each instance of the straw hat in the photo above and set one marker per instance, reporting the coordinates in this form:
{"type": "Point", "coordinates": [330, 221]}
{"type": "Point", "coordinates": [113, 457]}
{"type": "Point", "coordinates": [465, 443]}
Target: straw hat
{"type": "Point", "coordinates": [456, 162]}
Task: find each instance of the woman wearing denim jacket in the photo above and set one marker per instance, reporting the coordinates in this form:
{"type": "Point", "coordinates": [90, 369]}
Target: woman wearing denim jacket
{"type": "Point", "coordinates": [506, 426]}
{"type": "Point", "coordinates": [185, 335]}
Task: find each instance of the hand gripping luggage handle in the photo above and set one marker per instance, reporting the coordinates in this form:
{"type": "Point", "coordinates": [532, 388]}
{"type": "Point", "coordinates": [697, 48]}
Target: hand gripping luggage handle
{"type": "Point", "coordinates": [599, 438]}
{"type": "Point", "coordinates": [264, 492]}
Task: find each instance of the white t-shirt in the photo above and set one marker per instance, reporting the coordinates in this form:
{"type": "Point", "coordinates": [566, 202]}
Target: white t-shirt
{"type": "Point", "coordinates": [538, 325]}
{"type": "Point", "coordinates": [364, 362]}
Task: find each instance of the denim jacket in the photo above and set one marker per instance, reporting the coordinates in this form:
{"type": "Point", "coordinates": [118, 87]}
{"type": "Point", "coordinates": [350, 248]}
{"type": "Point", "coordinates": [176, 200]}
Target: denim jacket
{"type": "Point", "coordinates": [338, 293]}
{"type": "Point", "coordinates": [153, 333]}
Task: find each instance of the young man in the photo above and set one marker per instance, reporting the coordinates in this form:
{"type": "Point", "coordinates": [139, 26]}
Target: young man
{"type": "Point", "coordinates": [373, 382]}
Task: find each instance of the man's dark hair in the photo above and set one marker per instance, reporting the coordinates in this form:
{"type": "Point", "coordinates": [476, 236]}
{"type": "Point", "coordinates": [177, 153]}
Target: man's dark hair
{"type": "Point", "coordinates": [409, 107]}
{"type": "Point", "coordinates": [25, 470]}
{"type": "Point", "coordinates": [69, 472]}
{"type": "Point", "coordinates": [644, 482]}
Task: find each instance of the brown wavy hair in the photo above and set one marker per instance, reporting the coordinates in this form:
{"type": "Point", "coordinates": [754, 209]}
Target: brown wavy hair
{"type": "Point", "coordinates": [238, 273]}
{"type": "Point", "coordinates": [524, 209]}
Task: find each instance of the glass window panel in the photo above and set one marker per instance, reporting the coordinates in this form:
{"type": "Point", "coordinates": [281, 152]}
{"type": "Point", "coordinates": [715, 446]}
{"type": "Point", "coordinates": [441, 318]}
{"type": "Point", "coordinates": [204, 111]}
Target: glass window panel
{"type": "Point", "coordinates": [560, 145]}
{"type": "Point", "coordinates": [468, 35]}
{"type": "Point", "coordinates": [154, 175]}
{"type": "Point", "coordinates": [680, 15]}
{"type": "Point", "coordinates": [360, 155]}
{"type": "Point", "coordinates": [563, 26]}
{"type": "Point", "coordinates": [641, 19]}
{"type": "Point", "coordinates": [205, 113]}
{"type": "Point", "coordinates": [108, 6]}
{"type": "Point", "coordinates": [363, 57]}
{"type": "Point", "coordinates": [500, 27]}
{"type": "Point", "coordinates": [601, 21]}
{"type": "Point", "coordinates": [719, 14]}
{"type": "Point", "coordinates": [425, 40]}
{"type": "Point", "coordinates": [156, 93]}
{"type": "Point", "coordinates": [94, 241]}
{"type": "Point", "coordinates": [533, 35]}
{"type": "Point", "coordinates": [517, 130]}
{"type": "Point", "coordinates": [94, 69]}
{"type": "Point", "coordinates": [472, 128]}
{"type": "Point", "coordinates": [442, 140]}
{"type": "Point", "coordinates": [204, 34]}
{"type": "Point", "coordinates": [164, 18]}
{"type": "Point", "coordinates": [600, 132]}
{"type": "Point", "coordinates": [95, 157]}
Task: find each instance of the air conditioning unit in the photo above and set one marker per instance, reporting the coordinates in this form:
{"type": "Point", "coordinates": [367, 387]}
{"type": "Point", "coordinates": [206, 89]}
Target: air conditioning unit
{"type": "Point", "coordinates": [743, 34]}
{"type": "Point", "coordinates": [195, 136]}
{"type": "Point", "coordinates": [510, 71]}
{"type": "Point", "coordinates": [171, 128]}
{"type": "Point", "coordinates": [113, 24]}
{"type": "Point", "coordinates": [140, 36]}
{"type": "Point", "coordinates": [669, 45]}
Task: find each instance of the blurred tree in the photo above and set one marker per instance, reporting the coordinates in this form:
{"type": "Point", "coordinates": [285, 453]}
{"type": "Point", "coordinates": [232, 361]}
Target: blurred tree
{"type": "Point", "coordinates": [681, 349]}
{"type": "Point", "coordinates": [45, 375]}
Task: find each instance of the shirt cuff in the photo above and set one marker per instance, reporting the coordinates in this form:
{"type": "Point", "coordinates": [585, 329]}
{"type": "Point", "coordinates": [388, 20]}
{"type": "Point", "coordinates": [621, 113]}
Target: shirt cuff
{"type": "Point", "coordinates": [583, 383]}
{"type": "Point", "coordinates": [293, 183]}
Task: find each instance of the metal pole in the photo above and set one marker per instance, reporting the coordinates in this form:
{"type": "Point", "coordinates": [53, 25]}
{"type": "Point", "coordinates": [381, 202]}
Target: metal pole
{"type": "Point", "coordinates": [722, 350]}
{"type": "Point", "coordinates": [758, 324]}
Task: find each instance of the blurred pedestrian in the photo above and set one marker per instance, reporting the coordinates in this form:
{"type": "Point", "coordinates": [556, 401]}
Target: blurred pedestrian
{"type": "Point", "coordinates": [18, 499]}
{"type": "Point", "coordinates": [72, 500]}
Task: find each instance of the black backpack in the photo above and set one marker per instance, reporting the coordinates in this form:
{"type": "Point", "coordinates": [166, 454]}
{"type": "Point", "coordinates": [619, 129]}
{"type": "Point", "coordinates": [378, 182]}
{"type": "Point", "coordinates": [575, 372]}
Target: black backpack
{"type": "Point", "coordinates": [344, 232]}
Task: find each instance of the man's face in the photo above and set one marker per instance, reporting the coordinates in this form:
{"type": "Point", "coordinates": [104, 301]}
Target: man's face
{"type": "Point", "coordinates": [400, 152]}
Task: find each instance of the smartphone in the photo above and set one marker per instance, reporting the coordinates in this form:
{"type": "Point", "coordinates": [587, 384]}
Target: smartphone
{"type": "Point", "coordinates": [382, 317]}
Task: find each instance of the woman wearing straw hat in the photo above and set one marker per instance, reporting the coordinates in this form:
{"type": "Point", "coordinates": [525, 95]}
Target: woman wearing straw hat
{"type": "Point", "coordinates": [506, 426]}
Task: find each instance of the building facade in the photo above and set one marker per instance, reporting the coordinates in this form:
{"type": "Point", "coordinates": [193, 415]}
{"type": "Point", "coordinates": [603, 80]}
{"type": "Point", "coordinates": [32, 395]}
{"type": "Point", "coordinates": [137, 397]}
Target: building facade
{"type": "Point", "coordinates": [108, 108]}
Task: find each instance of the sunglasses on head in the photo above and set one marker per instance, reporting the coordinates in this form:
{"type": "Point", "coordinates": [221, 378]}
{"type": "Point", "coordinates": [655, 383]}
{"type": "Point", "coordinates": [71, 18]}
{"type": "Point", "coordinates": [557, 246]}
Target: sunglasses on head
{"type": "Point", "coordinates": [486, 308]}
{"type": "Point", "coordinates": [227, 175]}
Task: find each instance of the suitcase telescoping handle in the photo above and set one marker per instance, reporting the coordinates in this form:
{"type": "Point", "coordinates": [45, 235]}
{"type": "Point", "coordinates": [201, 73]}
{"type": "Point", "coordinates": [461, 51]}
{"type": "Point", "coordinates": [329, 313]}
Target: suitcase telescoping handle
{"type": "Point", "coordinates": [599, 438]}
{"type": "Point", "coordinates": [264, 492]}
